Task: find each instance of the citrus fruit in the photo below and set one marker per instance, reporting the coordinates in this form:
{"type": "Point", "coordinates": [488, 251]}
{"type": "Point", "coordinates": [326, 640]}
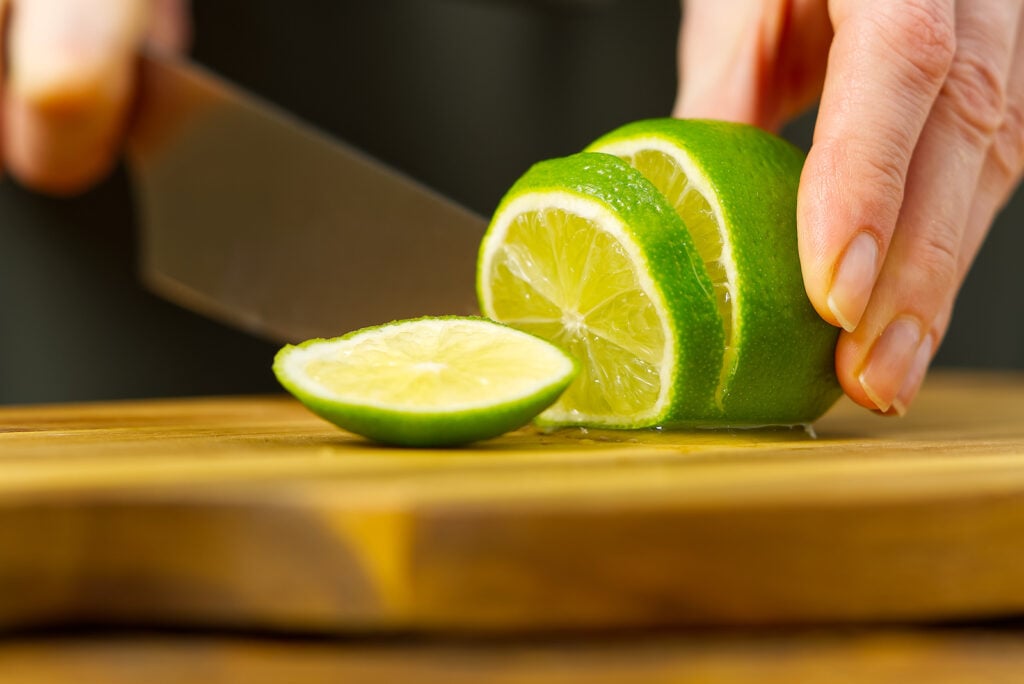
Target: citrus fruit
{"type": "Point", "coordinates": [735, 188]}
{"type": "Point", "coordinates": [427, 382]}
{"type": "Point", "coordinates": [585, 252]}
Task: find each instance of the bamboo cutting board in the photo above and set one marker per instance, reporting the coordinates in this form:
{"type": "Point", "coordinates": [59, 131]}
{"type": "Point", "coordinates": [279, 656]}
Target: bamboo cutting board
{"type": "Point", "coordinates": [251, 512]}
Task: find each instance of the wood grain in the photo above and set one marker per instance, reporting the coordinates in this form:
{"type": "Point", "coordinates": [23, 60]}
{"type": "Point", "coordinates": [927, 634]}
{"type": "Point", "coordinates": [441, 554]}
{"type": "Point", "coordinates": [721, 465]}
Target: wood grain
{"type": "Point", "coordinates": [252, 512]}
{"type": "Point", "coordinates": [887, 657]}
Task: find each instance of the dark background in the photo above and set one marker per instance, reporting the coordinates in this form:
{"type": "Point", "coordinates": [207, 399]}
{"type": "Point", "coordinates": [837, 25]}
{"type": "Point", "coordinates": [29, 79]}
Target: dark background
{"type": "Point", "coordinates": [463, 94]}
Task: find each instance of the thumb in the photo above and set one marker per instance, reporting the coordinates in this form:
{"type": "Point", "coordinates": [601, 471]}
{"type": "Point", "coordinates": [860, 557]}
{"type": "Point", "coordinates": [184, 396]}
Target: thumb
{"type": "Point", "coordinates": [71, 71]}
{"type": "Point", "coordinates": [725, 59]}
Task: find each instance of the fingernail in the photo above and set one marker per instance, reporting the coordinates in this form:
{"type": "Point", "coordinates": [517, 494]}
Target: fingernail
{"type": "Point", "coordinates": [890, 361]}
{"type": "Point", "coordinates": [853, 280]}
{"type": "Point", "coordinates": [66, 49]}
{"type": "Point", "coordinates": [912, 383]}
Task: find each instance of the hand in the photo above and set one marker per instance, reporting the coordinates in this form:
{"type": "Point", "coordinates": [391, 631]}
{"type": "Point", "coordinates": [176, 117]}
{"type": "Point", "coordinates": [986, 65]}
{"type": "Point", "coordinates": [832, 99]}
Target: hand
{"type": "Point", "coordinates": [70, 83]}
{"type": "Point", "coordinates": [918, 143]}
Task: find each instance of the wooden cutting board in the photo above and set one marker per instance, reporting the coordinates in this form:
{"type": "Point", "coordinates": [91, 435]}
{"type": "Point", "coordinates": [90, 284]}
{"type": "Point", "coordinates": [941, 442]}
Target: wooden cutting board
{"type": "Point", "coordinates": [251, 512]}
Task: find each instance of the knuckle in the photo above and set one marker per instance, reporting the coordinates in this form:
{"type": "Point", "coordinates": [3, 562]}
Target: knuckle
{"type": "Point", "coordinates": [1007, 151]}
{"type": "Point", "coordinates": [937, 255]}
{"type": "Point", "coordinates": [869, 178]}
{"type": "Point", "coordinates": [883, 170]}
{"type": "Point", "coordinates": [879, 177]}
{"type": "Point", "coordinates": [975, 95]}
{"type": "Point", "coordinates": [922, 33]}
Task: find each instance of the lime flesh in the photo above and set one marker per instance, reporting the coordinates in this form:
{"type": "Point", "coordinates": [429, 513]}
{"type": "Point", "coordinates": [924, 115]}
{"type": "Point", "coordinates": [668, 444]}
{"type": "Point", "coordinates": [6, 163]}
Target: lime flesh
{"type": "Point", "coordinates": [586, 253]}
{"type": "Point", "coordinates": [429, 381]}
{"type": "Point", "coordinates": [586, 297]}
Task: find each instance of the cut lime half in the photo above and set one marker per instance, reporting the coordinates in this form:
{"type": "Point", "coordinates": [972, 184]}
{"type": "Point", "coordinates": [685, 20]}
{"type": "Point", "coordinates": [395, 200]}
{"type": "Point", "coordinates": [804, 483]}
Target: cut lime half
{"type": "Point", "coordinates": [428, 381]}
{"type": "Point", "coordinates": [585, 252]}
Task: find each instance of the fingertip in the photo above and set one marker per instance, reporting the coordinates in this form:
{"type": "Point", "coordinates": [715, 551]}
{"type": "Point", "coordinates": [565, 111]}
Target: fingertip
{"type": "Point", "coordinates": [834, 308]}
{"type": "Point", "coordinates": [843, 235]}
{"type": "Point", "coordinates": [62, 143]}
{"type": "Point", "coordinates": [849, 358]}
{"type": "Point", "coordinates": [815, 236]}
{"type": "Point", "coordinates": [853, 279]}
{"type": "Point", "coordinates": [71, 72]}
{"type": "Point", "coordinates": [915, 376]}
{"type": "Point", "coordinates": [855, 391]}
{"type": "Point", "coordinates": [883, 371]}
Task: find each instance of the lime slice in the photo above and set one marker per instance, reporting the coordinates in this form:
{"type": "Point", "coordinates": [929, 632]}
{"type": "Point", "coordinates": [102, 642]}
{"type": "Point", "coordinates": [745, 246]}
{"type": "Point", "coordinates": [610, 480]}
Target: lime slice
{"type": "Point", "coordinates": [585, 252]}
{"type": "Point", "coordinates": [427, 382]}
{"type": "Point", "coordinates": [735, 188]}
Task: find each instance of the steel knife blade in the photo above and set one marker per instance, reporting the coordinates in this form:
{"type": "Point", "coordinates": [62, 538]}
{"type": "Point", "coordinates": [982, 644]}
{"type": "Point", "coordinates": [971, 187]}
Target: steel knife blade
{"type": "Point", "coordinates": [253, 217]}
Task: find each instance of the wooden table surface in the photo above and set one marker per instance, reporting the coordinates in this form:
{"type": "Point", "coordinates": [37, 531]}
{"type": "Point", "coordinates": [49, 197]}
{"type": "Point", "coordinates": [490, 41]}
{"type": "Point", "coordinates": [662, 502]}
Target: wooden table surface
{"type": "Point", "coordinates": [887, 656]}
{"type": "Point", "coordinates": [250, 514]}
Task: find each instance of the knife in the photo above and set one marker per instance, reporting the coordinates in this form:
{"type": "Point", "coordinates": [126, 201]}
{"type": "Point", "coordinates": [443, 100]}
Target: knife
{"type": "Point", "coordinates": [253, 217]}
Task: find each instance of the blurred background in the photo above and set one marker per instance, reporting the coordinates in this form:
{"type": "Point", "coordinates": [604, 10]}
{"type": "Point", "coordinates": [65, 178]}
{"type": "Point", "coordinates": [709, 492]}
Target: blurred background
{"type": "Point", "coordinates": [462, 94]}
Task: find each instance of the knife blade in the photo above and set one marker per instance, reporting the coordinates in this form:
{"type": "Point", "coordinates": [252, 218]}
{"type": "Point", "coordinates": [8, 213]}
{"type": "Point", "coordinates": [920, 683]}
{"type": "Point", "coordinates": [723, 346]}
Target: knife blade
{"type": "Point", "coordinates": [253, 217]}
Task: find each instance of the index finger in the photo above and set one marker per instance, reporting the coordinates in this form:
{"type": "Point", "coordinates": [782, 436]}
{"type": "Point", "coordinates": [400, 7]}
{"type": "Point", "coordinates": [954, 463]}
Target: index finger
{"type": "Point", "coordinates": [887, 63]}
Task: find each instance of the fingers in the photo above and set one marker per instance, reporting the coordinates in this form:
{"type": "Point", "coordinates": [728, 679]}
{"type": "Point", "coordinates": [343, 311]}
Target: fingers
{"type": "Point", "coordinates": [720, 61]}
{"type": "Point", "coordinates": [1004, 164]}
{"type": "Point", "coordinates": [759, 61]}
{"type": "Point", "coordinates": [883, 360]}
{"type": "Point", "coordinates": [70, 71]}
{"type": "Point", "coordinates": [1000, 174]}
{"type": "Point", "coordinates": [886, 66]}
{"type": "Point", "coordinates": [169, 28]}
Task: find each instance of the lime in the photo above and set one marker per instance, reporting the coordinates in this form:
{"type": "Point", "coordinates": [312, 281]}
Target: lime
{"type": "Point", "coordinates": [585, 252]}
{"type": "Point", "coordinates": [428, 381]}
{"type": "Point", "coordinates": [735, 188]}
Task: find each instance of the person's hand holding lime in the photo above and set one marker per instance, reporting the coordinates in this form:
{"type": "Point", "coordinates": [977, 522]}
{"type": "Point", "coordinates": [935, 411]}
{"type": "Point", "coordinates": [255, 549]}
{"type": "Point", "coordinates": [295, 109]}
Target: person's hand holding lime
{"type": "Point", "coordinates": [919, 142]}
{"type": "Point", "coordinates": [70, 81]}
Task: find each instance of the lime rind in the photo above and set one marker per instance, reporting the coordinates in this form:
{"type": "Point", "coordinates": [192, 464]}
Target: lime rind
{"type": "Point", "coordinates": [628, 147]}
{"type": "Point", "coordinates": [783, 369]}
{"type": "Point", "coordinates": [428, 423]}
